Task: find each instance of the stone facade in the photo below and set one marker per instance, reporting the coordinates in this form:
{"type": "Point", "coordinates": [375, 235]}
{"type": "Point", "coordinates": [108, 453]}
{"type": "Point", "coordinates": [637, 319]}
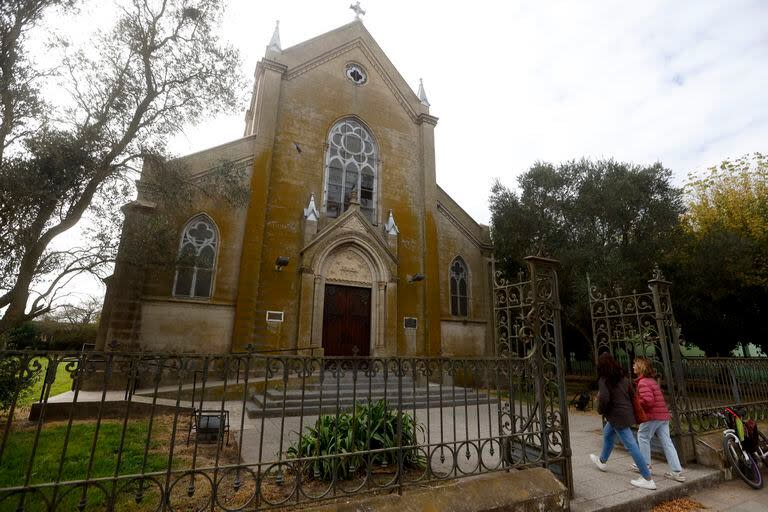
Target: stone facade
{"type": "Point", "coordinates": [398, 236]}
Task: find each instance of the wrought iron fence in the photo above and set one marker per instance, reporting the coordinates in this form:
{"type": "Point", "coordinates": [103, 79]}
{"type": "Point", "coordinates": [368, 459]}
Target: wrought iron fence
{"type": "Point", "coordinates": [581, 368]}
{"type": "Point", "coordinates": [643, 324]}
{"type": "Point", "coordinates": [139, 431]}
{"type": "Point", "coordinates": [712, 383]}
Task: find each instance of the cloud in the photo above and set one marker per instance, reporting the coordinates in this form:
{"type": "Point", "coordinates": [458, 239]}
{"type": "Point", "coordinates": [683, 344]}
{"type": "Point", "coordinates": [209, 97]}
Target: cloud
{"type": "Point", "coordinates": [678, 82]}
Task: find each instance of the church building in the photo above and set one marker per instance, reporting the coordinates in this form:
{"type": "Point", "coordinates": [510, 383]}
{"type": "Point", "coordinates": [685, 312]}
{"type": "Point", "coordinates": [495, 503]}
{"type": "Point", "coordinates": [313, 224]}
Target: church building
{"type": "Point", "coordinates": [347, 245]}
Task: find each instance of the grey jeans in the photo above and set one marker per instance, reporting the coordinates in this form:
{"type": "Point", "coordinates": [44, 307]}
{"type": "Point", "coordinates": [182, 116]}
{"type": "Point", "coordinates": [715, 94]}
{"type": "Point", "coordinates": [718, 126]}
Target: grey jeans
{"type": "Point", "coordinates": [660, 428]}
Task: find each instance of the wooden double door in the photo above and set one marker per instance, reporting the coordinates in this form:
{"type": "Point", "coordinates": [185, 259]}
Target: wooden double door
{"type": "Point", "coordinates": [347, 321]}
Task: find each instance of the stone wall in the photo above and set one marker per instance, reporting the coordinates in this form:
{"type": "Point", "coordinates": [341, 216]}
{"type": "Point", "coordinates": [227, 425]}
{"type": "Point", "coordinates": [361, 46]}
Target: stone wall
{"type": "Point", "coordinates": [299, 94]}
{"type": "Point", "coordinates": [530, 490]}
{"type": "Point", "coordinates": [176, 326]}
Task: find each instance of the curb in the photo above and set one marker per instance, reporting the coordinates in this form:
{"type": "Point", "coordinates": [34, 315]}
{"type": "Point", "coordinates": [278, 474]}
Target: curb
{"type": "Point", "coordinates": [677, 491]}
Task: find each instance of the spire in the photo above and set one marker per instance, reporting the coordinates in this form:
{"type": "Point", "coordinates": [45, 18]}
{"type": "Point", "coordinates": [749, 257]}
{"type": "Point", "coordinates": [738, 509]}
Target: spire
{"type": "Point", "coordinates": [274, 43]}
{"type": "Point", "coordinates": [310, 212]}
{"type": "Point", "coordinates": [422, 94]}
{"type": "Point", "coordinates": [390, 227]}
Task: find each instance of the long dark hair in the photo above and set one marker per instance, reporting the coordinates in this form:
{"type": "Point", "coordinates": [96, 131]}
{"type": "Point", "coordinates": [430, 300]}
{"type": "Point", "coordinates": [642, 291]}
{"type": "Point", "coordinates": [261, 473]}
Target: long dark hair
{"type": "Point", "coordinates": [609, 369]}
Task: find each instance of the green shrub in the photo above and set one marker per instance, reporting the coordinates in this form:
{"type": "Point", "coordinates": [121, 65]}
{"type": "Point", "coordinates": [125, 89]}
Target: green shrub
{"type": "Point", "coordinates": [370, 426]}
{"type": "Point", "coordinates": [26, 335]}
{"type": "Point", "coordinates": [11, 384]}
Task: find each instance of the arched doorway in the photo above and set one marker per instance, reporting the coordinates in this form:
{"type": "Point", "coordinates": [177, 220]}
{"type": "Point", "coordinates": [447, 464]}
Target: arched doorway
{"type": "Point", "coordinates": [351, 267]}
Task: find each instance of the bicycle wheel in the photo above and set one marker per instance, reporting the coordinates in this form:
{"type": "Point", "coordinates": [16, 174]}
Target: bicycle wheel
{"type": "Point", "coordinates": [742, 462]}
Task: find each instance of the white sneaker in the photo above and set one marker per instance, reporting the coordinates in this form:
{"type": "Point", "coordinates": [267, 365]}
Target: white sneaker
{"type": "Point", "coordinates": [602, 466]}
{"type": "Point", "coordinates": [676, 476]}
{"type": "Point", "coordinates": [637, 470]}
{"type": "Point", "coordinates": [644, 484]}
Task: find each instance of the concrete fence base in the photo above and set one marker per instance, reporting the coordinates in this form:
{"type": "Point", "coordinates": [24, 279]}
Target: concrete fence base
{"type": "Point", "coordinates": [530, 490]}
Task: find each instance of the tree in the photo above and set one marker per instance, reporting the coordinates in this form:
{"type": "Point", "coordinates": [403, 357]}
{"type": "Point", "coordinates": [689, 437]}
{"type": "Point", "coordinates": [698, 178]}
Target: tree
{"type": "Point", "coordinates": [608, 219]}
{"type": "Point", "coordinates": [161, 67]}
{"type": "Point", "coordinates": [720, 267]}
{"type": "Point", "coordinates": [82, 313]}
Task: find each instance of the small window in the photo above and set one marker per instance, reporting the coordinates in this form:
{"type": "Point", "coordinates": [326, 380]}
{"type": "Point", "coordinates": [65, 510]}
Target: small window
{"type": "Point", "coordinates": [274, 316]}
{"type": "Point", "coordinates": [410, 322]}
{"type": "Point", "coordinates": [197, 259]}
{"type": "Point", "coordinates": [356, 74]}
{"type": "Point", "coordinates": [459, 287]}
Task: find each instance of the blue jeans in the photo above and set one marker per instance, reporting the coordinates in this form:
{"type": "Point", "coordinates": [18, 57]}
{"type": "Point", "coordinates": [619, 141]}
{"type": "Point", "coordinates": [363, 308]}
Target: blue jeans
{"type": "Point", "coordinates": [628, 440]}
{"type": "Point", "coordinates": [660, 428]}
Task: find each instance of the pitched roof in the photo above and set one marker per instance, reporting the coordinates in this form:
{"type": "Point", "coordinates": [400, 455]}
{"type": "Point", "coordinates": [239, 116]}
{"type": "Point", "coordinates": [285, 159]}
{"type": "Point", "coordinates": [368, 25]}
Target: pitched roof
{"type": "Point", "coordinates": [313, 52]}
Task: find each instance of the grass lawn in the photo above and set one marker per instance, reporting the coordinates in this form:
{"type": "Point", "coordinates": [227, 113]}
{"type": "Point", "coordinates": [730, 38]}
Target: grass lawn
{"type": "Point", "coordinates": [15, 461]}
{"type": "Point", "coordinates": [61, 384]}
{"type": "Point", "coordinates": [51, 444]}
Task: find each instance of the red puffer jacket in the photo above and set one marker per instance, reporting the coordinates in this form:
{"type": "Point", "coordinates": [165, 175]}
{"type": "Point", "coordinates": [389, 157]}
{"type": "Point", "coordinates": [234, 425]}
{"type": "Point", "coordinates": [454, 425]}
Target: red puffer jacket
{"type": "Point", "coordinates": [651, 399]}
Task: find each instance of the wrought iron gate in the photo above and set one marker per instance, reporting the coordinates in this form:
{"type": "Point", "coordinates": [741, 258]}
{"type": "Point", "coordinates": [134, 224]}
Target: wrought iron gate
{"type": "Point", "coordinates": [528, 332]}
{"type": "Point", "coordinates": [642, 324]}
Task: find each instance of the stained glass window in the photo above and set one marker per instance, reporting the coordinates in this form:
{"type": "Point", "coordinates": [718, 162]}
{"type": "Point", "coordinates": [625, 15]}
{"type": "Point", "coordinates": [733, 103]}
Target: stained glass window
{"type": "Point", "coordinates": [350, 169]}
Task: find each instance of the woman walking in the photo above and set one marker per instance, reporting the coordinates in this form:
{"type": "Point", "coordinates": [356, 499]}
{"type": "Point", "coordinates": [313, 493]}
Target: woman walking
{"type": "Point", "coordinates": [655, 408]}
{"type": "Point", "coordinates": [615, 404]}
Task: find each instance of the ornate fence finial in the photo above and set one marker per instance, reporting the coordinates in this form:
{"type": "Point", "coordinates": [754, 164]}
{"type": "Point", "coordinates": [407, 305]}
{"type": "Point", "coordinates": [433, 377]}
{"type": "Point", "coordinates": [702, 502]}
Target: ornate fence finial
{"type": "Point", "coordinates": [657, 273]}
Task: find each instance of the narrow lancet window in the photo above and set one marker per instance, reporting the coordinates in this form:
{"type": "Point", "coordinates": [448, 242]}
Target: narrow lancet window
{"type": "Point", "coordinates": [459, 287]}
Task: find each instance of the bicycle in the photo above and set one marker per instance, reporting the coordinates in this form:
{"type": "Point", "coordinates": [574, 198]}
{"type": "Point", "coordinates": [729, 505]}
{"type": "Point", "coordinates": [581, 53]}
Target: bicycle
{"type": "Point", "coordinates": [744, 446]}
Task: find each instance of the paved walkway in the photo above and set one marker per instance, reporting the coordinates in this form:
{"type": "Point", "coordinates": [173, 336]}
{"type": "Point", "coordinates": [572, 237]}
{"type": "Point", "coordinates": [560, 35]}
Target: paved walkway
{"type": "Point", "coordinates": [611, 491]}
{"type": "Point", "coordinates": [733, 496]}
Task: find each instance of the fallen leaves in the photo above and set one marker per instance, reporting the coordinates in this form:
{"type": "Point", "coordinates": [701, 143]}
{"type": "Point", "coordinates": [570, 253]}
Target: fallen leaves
{"type": "Point", "coordinates": [679, 505]}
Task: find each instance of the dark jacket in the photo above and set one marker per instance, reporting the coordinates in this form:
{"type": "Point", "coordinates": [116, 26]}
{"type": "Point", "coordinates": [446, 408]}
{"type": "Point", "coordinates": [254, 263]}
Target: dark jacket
{"type": "Point", "coordinates": [615, 403]}
{"type": "Point", "coordinates": [652, 399]}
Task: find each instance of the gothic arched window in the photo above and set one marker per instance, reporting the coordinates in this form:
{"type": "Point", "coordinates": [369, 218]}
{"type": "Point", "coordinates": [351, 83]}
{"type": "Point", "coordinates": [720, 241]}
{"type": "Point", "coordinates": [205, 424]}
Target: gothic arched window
{"type": "Point", "coordinates": [197, 258]}
{"type": "Point", "coordinates": [459, 279]}
{"type": "Point", "coordinates": [350, 169]}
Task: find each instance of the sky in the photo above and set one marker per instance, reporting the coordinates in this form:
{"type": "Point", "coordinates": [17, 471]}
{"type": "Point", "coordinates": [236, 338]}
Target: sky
{"type": "Point", "coordinates": [684, 82]}
{"type": "Point", "coordinates": [515, 82]}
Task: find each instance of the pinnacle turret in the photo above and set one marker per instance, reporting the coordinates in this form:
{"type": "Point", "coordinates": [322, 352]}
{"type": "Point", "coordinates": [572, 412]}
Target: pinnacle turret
{"type": "Point", "coordinates": [274, 43]}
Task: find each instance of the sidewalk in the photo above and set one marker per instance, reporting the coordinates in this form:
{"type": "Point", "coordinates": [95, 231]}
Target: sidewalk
{"type": "Point", "coordinates": [733, 496]}
{"type": "Point", "coordinates": [611, 491]}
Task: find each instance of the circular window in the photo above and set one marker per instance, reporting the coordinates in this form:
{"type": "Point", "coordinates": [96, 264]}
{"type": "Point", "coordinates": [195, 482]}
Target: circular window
{"type": "Point", "coordinates": [356, 74]}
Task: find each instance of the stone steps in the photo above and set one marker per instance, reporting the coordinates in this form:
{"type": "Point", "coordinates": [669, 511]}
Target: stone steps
{"type": "Point", "coordinates": [334, 396]}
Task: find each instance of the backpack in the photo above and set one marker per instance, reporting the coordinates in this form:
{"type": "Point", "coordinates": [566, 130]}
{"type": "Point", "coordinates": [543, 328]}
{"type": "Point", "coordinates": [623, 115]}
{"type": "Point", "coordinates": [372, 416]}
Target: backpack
{"type": "Point", "coordinates": [751, 439]}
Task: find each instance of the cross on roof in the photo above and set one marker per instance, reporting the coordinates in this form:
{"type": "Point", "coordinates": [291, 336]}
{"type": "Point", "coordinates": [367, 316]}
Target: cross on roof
{"type": "Point", "coordinates": [358, 10]}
